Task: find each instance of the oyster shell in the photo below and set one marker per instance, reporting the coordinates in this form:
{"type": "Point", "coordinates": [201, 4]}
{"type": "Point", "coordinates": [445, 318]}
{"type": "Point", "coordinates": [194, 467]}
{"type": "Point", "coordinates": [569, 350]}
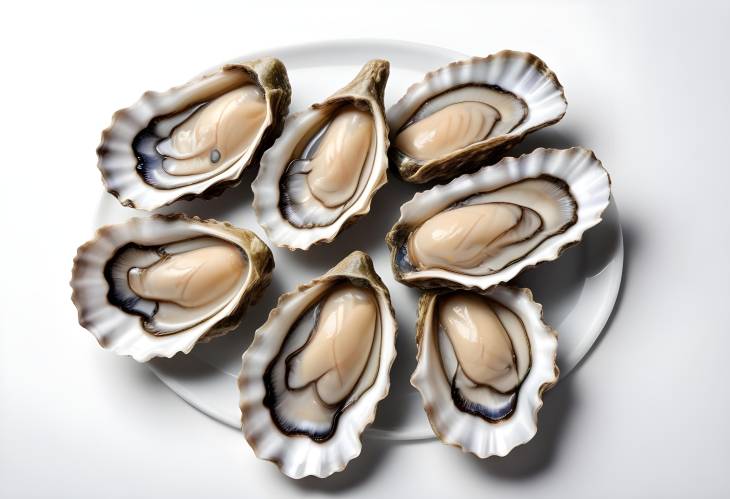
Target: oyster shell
{"type": "Point", "coordinates": [195, 139]}
{"type": "Point", "coordinates": [312, 378]}
{"type": "Point", "coordinates": [323, 171]}
{"type": "Point", "coordinates": [484, 228]}
{"type": "Point", "coordinates": [152, 287]}
{"type": "Point", "coordinates": [471, 112]}
{"type": "Point", "coordinates": [484, 361]}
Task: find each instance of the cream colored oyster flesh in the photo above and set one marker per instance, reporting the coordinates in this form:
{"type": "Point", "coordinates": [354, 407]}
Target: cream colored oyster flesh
{"type": "Point", "coordinates": [195, 139]}
{"type": "Point", "coordinates": [326, 362]}
{"type": "Point", "coordinates": [316, 370]}
{"type": "Point", "coordinates": [192, 278]}
{"type": "Point", "coordinates": [156, 286]}
{"type": "Point", "coordinates": [177, 285]}
{"type": "Point", "coordinates": [486, 232]}
{"type": "Point", "coordinates": [336, 354]}
{"type": "Point", "coordinates": [320, 184]}
{"type": "Point", "coordinates": [457, 119]}
{"type": "Point", "coordinates": [480, 342]}
{"type": "Point", "coordinates": [215, 135]}
{"type": "Point", "coordinates": [334, 170]}
{"type": "Point", "coordinates": [485, 358]}
{"type": "Point", "coordinates": [322, 173]}
{"type": "Point", "coordinates": [469, 113]}
{"type": "Point", "coordinates": [485, 353]}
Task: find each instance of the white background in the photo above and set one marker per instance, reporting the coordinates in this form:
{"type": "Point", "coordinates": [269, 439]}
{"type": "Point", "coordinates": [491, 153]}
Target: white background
{"type": "Point", "coordinates": [645, 415]}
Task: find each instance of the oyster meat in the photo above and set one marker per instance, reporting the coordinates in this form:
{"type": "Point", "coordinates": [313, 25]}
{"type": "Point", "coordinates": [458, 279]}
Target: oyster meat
{"type": "Point", "coordinates": [484, 360]}
{"type": "Point", "coordinates": [470, 112]}
{"type": "Point", "coordinates": [315, 372]}
{"type": "Point", "coordinates": [155, 286]}
{"type": "Point", "coordinates": [175, 286]}
{"type": "Point", "coordinates": [195, 139]}
{"type": "Point", "coordinates": [322, 173]}
{"type": "Point", "coordinates": [484, 228]}
{"type": "Point", "coordinates": [324, 361]}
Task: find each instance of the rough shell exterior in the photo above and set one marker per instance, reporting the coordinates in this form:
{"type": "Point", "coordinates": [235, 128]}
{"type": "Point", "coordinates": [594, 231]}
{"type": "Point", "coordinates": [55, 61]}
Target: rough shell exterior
{"type": "Point", "coordinates": [123, 333]}
{"type": "Point", "coordinates": [118, 161]}
{"type": "Point", "coordinates": [466, 431]}
{"type": "Point", "coordinates": [588, 182]}
{"type": "Point", "coordinates": [367, 87]}
{"type": "Point", "coordinates": [520, 73]}
{"type": "Point", "coordinates": [298, 456]}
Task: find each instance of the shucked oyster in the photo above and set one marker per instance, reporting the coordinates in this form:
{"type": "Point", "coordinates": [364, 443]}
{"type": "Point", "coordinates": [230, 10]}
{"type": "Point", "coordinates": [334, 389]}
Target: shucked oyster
{"type": "Point", "coordinates": [468, 113]}
{"type": "Point", "coordinates": [196, 139]}
{"type": "Point", "coordinates": [323, 171]}
{"type": "Point", "coordinates": [484, 361]}
{"type": "Point", "coordinates": [316, 370]}
{"type": "Point", "coordinates": [484, 228]}
{"type": "Point", "coordinates": [152, 287]}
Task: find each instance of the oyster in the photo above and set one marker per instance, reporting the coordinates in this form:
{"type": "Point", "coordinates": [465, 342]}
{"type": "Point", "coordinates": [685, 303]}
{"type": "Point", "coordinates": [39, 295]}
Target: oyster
{"type": "Point", "coordinates": [195, 139]}
{"type": "Point", "coordinates": [152, 287]}
{"type": "Point", "coordinates": [485, 228]}
{"type": "Point", "coordinates": [484, 361]}
{"type": "Point", "coordinates": [312, 378]}
{"type": "Point", "coordinates": [323, 171]}
{"type": "Point", "coordinates": [471, 112]}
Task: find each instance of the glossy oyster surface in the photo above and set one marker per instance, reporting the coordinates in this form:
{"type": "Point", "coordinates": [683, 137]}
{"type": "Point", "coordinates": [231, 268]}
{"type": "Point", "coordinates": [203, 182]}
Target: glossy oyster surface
{"type": "Point", "coordinates": [321, 174]}
{"type": "Point", "coordinates": [195, 139]}
{"type": "Point", "coordinates": [316, 370]}
{"type": "Point", "coordinates": [471, 112]}
{"type": "Point", "coordinates": [484, 361]}
{"type": "Point", "coordinates": [484, 228]}
{"type": "Point", "coordinates": [152, 287]}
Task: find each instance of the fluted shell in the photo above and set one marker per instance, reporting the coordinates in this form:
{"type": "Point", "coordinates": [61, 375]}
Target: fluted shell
{"type": "Point", "coordinates": [126, 325]}
{"type": "Point", "coordinates": [573, 181]}
{"type": "Point", "coordinates": [286, 203]}
{"type": "Point", "coordinates": [522, 76]}
{"type": "Point", "coordinates": [134, 168]}
{"type": "Point", "coordinates": [296, 444]}
{"type": "Point", "coordinates": [455, 418]}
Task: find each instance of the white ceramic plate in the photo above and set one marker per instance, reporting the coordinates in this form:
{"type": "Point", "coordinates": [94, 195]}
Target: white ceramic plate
{"type": "Point", "coordinates": [578, 290]}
